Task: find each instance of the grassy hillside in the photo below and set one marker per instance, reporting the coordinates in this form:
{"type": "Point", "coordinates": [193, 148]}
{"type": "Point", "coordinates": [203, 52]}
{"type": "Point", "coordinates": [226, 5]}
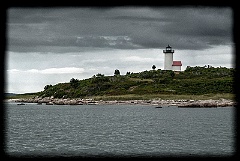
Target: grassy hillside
{"type": "Point", "coordinates": [193, 81]}
{"type": "Point", "coordinates": [21, 96]}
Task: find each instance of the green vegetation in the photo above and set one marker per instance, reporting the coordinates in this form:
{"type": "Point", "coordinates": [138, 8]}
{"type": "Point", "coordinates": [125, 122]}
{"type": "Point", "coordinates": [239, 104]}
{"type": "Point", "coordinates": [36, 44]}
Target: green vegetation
{"type": "Point", "coordinates": [22, 96]}
{"type": "Point", "coordinates": [164, 97]}
{"type": "Point", "coordinates": [198, 82]}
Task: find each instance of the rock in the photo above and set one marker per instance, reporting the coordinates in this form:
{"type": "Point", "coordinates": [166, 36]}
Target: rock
{"type": "Point", "coordinates": [49, 103]}
{"type": "Point", "coordinates": [59, 102]}
{"type": "Point", "coordinates": [180, 103]}
{"type": "Point", "coordinates": [73, 102]}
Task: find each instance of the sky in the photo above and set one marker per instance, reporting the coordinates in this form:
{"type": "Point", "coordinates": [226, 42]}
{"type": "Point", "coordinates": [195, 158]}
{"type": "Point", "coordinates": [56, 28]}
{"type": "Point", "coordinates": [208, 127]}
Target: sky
{"type": "Point", "coordinates": [52, 45]}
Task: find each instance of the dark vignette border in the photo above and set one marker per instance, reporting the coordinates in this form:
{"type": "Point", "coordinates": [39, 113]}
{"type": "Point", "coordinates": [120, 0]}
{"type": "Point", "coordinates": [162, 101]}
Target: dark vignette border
{"type": "Point", "coordinates": [34, 4]}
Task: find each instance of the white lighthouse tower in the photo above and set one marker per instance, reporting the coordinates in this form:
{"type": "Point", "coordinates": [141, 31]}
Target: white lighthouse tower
{"type": "Point", "coordinates": [168, 60]}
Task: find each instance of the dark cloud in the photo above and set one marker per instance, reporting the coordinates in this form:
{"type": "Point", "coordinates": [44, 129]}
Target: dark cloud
{"type": "Point", "coordinates": [120, 28]}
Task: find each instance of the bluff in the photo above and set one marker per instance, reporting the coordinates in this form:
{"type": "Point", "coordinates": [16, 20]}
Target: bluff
{"type": "Point", "coordinates": [193, 81]}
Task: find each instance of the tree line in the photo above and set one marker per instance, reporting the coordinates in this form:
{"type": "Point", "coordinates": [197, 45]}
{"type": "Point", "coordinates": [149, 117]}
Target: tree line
{"type": "Point", "coordinates": [194, 80]}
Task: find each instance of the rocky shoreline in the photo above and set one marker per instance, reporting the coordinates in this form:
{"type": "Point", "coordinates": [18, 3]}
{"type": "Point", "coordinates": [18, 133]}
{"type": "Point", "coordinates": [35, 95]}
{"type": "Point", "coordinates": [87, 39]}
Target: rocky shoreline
{"type": "Point", "coordinates": [156, 102]}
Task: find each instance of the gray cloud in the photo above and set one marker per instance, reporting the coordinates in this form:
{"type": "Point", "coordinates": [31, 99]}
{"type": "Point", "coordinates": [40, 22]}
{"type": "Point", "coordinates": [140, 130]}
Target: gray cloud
{"type": "Point", "coordinates": [52, 45]}
{"type": "Point", "coordinates": [184, 28]}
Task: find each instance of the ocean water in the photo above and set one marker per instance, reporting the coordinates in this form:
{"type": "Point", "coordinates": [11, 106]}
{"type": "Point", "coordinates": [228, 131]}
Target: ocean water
{"type": "Point", "coordinates": [118, 130]}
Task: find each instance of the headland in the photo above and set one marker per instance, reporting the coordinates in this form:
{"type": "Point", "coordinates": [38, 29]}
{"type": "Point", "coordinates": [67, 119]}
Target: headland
{"type": "Point", "coordinates": [195, 87]}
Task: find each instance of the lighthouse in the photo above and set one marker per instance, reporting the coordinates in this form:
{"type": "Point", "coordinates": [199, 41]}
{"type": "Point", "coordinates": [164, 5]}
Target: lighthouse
{"type": "Point", "coordinates": [169, 64]}
{"type": "Point", "coordinates": [168, 58]}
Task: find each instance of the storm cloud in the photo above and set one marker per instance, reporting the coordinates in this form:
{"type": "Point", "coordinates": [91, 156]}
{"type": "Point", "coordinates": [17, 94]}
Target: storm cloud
{"type": "Point", "coordinates": [118, 28]}
{"type": "Point", "coordinates": [53, 45]}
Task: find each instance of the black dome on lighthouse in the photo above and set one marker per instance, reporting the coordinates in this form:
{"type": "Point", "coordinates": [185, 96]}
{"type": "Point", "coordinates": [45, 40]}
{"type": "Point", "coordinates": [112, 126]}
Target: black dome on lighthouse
{"type": "Point", "coordinates": [168, 49]}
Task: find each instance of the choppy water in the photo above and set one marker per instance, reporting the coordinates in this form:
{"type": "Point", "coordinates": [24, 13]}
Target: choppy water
{"type": "Point", "coordinates": [118, 130]}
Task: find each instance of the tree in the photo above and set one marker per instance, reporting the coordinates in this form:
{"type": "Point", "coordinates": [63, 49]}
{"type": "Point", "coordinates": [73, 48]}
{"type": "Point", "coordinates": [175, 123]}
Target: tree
{"type": "Point", "coordinates": [74, 82]}
{"type": "Point", "coordinates": [99, 75]}
{"type": "Point", "coordinates": [47, 87]}
{"type": "Point", "coordinates": [117, 72]}
{"type": "Point", "coordinates": [153, 67]}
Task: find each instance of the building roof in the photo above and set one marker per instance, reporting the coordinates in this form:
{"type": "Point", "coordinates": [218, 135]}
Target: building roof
{"type": "Point", "coordinates": [177, 63]}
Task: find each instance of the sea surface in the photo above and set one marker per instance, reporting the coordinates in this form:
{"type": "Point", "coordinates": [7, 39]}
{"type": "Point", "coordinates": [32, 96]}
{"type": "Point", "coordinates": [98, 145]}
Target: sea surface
{"type": "Point", "coordinates": [118, 130]}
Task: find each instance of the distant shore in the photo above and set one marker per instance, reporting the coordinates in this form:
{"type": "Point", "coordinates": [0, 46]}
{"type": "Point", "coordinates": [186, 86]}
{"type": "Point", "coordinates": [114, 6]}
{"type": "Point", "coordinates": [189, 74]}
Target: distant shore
{"type": "Point", "coordinates": [155, 102]}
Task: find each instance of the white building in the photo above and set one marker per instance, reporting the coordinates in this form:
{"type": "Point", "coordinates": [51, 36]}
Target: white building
{"type": "Point", "coordinates": [169, 64]}
{"type": "Point", "coordinates": [176, 65]}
